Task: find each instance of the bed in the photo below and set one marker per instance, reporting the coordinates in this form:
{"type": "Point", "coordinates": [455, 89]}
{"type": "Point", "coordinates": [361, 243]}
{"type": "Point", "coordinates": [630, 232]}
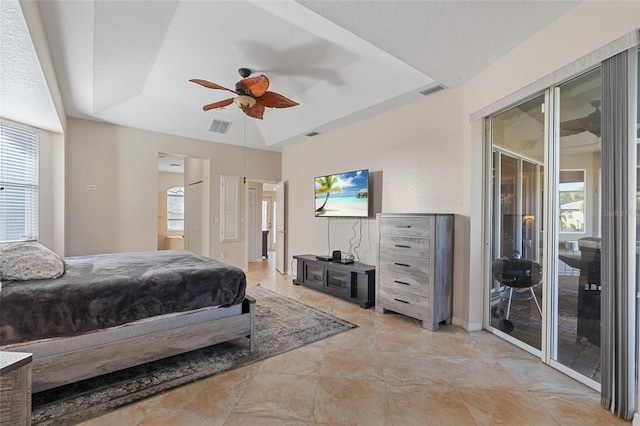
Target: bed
{"type": "Point", "coordinates": [89, 315]}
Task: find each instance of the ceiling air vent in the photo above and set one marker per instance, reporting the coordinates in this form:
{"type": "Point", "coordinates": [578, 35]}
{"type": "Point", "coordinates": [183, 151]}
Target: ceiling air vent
{"type": "Point", "coordinates": [431, 90]}
{"type": "Point", "coordinates": [312, 134]}
{"type": "Point", "coordinates": [219, 126]}
{"type": "Point", "coordinates": [528, 144]}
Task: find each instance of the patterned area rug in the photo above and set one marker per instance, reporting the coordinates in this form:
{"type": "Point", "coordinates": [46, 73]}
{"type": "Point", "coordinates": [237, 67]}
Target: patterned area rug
{"type": "Point", "coordinates": [282, 324]}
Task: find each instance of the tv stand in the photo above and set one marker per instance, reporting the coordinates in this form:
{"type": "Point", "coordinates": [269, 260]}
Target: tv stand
{"type": "Point", "coordinates": [354, 282]}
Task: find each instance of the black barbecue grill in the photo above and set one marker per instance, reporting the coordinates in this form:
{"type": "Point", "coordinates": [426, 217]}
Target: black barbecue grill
{"type": "Point", "coordinates": [514, 273]}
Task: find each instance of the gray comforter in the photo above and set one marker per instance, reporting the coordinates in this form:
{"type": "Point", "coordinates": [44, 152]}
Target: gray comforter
{"type": "Point", "coordinates": [108, 290]}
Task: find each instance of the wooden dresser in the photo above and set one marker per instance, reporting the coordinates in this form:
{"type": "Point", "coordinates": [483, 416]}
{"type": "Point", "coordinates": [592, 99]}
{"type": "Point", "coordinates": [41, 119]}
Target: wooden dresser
{"type": "Point", "coordinates": [415, 272]}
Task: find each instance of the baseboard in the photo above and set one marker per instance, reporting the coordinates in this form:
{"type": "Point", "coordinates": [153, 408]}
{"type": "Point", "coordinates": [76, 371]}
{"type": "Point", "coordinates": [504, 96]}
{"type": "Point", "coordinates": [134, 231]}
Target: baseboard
{"type": "Point", "coordinates": [636, 419]}
{"type": "Point", "coordinates": [474, 326]}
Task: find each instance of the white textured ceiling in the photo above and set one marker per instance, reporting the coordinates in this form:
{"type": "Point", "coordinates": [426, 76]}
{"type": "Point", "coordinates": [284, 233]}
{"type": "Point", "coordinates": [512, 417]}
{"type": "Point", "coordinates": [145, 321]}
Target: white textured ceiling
{"type": "Point", "coordinates": [24, 95]}
{"type": "Point", "coordinates": [129, 62]}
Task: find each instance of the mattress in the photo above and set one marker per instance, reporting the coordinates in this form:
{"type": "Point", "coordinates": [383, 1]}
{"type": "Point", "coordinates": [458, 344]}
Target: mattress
{"type": "Point", "coordinates": [102, 291]}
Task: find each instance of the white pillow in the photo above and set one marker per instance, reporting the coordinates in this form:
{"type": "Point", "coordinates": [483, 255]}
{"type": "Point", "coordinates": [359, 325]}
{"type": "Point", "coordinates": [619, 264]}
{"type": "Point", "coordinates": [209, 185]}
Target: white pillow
{"type": "Point", "coordinates": [28, 260]}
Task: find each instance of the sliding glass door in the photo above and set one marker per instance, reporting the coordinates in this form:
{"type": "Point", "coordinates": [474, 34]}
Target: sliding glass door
{"type": "Point", "coordinates": [563, 228]}
{"type": "Point", "coordinates": [576, 285]}
{"type": "Point", "coordinates": [516, 292]}
{"type": "Point", "coordinates": [558, 131]}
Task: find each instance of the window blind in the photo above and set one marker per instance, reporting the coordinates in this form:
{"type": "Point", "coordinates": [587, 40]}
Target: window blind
{"type": "Point", "coordinates": [19, 147]}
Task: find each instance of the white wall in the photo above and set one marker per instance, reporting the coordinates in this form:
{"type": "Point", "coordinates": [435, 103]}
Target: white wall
{"type": "Point", "coordinates": [120, 216]}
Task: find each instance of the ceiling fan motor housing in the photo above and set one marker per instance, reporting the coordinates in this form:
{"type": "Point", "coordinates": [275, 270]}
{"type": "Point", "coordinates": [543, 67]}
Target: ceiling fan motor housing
{"type": "Point", "coordinates": [240, 90]}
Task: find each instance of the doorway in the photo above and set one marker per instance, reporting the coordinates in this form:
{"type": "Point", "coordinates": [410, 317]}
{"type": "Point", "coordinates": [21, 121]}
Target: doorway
{"type": "Point", "coordinates": [544, 276]}
{"type": "Point", "coordinates": [260, 219]}
{"type": "Point", "coordinates": [171, 197]}
{"type": "Point", "coordinates": [194, 212]}
{"type": "Point", "coordinates": [517, 159]}
{"type": "Point", "coordinates": [183, 203]}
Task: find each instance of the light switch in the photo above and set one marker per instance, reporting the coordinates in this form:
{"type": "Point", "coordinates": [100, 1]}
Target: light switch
{"type": "Point", "coordinates": [92, 188]}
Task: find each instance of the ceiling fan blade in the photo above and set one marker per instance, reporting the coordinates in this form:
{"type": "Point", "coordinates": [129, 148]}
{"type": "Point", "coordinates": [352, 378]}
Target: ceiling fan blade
{"type": "Point", "coordinates": [573, 126]}
{"type": "Point", "coordinates": [210, 85]}
{"type": "Point", "coordinates": [275, 100]}
{"type": "Point", "coordinates": [256, 111]}
{"type": "Point", "coordinates": [564, 132]}
{"type": "Point", "coordinates": [219, 104]}
{"type": "Point", "coordinates": [257, 86]}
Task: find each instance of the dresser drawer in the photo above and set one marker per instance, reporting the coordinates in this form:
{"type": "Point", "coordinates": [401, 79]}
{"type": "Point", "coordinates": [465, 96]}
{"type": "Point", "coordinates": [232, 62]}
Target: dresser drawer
{"type": "Point", "coordinates": [407, 225]}
{"type": "Point", "coordinates": [405, 246]}
{"type": "Point", "coordinates": [404, 303]}
{"type": "Point", "coordinates": [405, 265]}
{"type": "Point", "coordinates": [405, 283]}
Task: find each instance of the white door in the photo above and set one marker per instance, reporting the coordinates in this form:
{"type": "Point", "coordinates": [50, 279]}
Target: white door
{"type": "Point", "coordinates": [194, 217]}
{"type": "Point", "coordinates": [251, 225]}
{"type": "Point", "coordinates": [280, 229]}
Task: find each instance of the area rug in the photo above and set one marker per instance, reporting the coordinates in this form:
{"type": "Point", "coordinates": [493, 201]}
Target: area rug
{"type": "Point", "coordinates": [282, 324]}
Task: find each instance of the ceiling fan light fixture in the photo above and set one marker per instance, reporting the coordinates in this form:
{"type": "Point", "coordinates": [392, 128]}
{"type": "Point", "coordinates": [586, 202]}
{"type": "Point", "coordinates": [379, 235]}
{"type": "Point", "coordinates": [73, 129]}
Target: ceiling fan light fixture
{"type": "Point", "coordinates": [246, 101]}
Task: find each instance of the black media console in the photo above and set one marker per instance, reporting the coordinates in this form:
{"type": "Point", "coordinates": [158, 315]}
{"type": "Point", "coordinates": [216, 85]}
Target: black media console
{"type": "Point", "coordinates": [354, 282]}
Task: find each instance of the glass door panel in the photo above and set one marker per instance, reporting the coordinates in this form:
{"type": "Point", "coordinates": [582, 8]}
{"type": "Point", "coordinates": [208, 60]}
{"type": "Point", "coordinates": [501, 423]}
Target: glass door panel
{"type": "Point", "coordinates": [517, 137]}
{"type": "Point", "coordinates": [576, 286]}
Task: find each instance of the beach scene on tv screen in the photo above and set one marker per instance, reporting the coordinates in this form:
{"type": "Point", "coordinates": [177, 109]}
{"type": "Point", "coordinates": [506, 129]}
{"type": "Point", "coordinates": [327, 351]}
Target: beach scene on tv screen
{"type": "Point", "coordinates": [344, 194]}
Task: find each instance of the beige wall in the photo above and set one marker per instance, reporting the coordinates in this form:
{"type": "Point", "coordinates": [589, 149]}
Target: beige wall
{"type": "Point", "coordinates": [585, 28]}
{"type": "Point", "coordinates": [257, 219]}
{"type": "Point", "coordinates": [427, 156]}
{"type": "Point", "coordinates": [430, 157]}
{"type": "Point", "coordinates": [413, 154]}
{"type": "Point", "coordinates": [122, 162]}
{"type": "Point", "coordinates": [51, 191]}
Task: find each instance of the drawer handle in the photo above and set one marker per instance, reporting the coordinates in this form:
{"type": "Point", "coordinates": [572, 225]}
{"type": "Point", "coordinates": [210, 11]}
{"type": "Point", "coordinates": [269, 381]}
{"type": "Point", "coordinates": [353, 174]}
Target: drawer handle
{"type": "Point", "coordinates": [401, 301]}
{"type": "Point", "coordinates": [401, 282]}
{"type": "Point", "coordinates": [402, 246]}
{"type": "Point", "coordinates": [402, 264]}
{"type": "Point", "coordinates": [404, 226]}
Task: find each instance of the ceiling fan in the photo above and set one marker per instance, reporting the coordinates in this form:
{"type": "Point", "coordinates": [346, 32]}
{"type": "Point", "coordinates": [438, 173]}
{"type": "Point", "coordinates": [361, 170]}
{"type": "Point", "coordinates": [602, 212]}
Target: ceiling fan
{"type": "Point", "coordinates": [252, 92]}
{"type": "Point", "coordinates": [589, 123]}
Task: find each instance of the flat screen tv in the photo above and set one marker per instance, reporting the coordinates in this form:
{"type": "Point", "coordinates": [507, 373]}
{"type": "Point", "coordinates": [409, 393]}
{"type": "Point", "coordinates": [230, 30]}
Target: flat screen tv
{"type": "Point", "coordinates": [342, 194]}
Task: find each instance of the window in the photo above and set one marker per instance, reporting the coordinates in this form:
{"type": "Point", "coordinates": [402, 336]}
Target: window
{"type": "Point", "coordinates": [572, 190]}
{"type": "Point", "coordinates": [175, 208]}
{"type": "Point", "coordinates": [19, 146]}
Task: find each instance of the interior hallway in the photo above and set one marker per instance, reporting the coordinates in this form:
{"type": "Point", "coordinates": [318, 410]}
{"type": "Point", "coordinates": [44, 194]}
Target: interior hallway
{"type": "Point", "coordinates": [389, 371]}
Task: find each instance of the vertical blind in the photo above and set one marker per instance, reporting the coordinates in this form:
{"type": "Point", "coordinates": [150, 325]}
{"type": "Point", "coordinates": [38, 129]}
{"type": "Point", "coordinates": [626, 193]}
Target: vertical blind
{"type": "Point", "coordinates": [19, 146]}
{"type": "Point", "coordinates": [618, 314]}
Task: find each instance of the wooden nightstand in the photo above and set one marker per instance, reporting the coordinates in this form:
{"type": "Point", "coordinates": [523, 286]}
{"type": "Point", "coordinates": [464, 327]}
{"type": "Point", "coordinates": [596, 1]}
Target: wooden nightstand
{"type": "Point", "coordinates": [15, 388]}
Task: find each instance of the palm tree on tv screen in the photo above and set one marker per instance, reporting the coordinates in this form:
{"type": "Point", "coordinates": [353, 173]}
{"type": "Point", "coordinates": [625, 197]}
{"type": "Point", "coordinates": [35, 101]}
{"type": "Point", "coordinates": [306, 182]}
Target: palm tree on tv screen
{"type": "Point", "coordinates": [326, 185]}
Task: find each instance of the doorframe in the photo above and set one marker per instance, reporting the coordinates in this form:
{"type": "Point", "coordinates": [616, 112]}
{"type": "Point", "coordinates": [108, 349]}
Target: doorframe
{"type": "Point", "coordinates": [251, 218]}
{"type": "Point", "coordinates": [258, 202]}
{"type": "Point", "coordinates": [548, 349]}
{"type": "Point", "coordinates": [488, 210]}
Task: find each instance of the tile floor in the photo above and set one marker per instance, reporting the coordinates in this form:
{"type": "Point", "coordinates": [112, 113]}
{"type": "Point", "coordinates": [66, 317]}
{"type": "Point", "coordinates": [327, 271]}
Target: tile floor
{"type": "Point", "coordinates": [577, 353]}
{"type": "Point", "coordinates": [389, 371]}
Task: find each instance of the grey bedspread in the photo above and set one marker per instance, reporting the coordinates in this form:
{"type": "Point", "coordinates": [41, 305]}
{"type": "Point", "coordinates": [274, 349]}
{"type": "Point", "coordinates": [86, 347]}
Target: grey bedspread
{"type": "Point", "coordinates": [103, 291]}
